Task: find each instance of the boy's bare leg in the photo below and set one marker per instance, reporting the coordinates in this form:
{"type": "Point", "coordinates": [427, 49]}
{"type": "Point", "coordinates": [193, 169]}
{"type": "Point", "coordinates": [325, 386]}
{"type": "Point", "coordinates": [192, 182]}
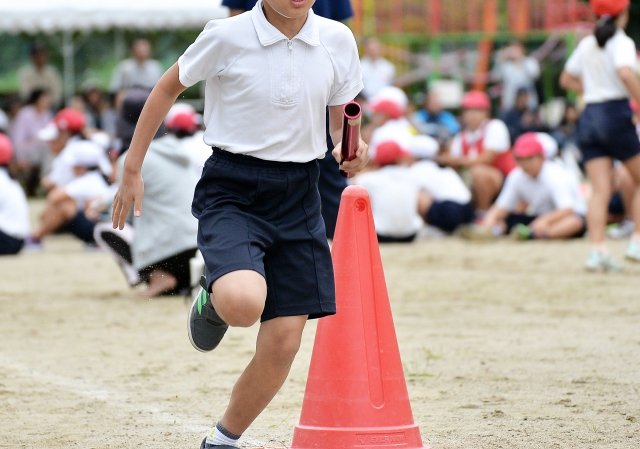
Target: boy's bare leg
{"type": "Point", "coordinates": [277, 344]}
{"type": "Point", "coordinates": [159, 282]}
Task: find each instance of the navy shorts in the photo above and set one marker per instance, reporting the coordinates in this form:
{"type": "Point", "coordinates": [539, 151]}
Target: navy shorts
{"type": "Point", "coordinates": [9, 245]}
{"type": "Point", "coordinates": [265, 216]}
{"type": "Point", "coordinates": [606, 130]}
{"type": "Point", "coordinates": [81, 227]}
{"type": "Point", "coordinates": [448, 215]}
{"type": "Point", "coordinates": [176, 265]}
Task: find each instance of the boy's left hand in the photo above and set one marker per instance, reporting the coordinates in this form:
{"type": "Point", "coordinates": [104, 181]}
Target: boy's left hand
{"type": "Point", "coordinates": [354, 166]}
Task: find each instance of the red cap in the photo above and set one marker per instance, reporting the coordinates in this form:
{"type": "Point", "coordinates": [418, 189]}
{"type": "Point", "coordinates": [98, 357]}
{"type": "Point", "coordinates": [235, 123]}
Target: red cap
{"type": "Point", "coordinates": [528, 145]}
{"type": "Point", "coordinates": [634, 106]}
{"type": "Point", "coordinates": [476, 99]}
{"type": "Point", "coordinates": [6, 150]}
{"type": "Point", "coordinates": [387, 107]}
{"type": "Point", "coordinates": [70, 120]}
{"type": "Point", "coordinates": [608, 7]}
{"type": "Point", "coordinates": [183, 121]}
{"type": "Point", "coordinates": [389, 152]}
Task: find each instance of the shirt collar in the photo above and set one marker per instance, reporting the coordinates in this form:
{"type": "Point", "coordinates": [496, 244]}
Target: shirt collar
{"type": "Point", "coordinates": [268, 34]}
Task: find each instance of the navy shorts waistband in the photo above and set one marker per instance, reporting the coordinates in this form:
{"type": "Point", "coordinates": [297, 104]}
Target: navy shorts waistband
{"type": "Point", "coordinates": [257, 162]}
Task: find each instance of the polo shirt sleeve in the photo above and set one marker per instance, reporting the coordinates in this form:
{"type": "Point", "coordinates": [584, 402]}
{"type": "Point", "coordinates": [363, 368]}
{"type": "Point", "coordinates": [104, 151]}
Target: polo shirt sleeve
{"type": "Point", "coordinates": [574, 63]}
{"type": "Point", "coordinates": [508, 198]}
{"type": "Point", "coordinates": [624, 53]}
{"type": "Point", "coordinates": [202, 58]}
{"type": "Point", "coordinates": [496, 137]}
{"type": "Point", "coordinates": [347, 73]}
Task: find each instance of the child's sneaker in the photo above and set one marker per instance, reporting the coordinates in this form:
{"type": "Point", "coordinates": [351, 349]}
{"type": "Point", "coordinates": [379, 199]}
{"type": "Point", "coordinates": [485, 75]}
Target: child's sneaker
{"type": "Point", "coordinates": [521, 232]}
{"type": "Point", "coordinates": [633, 251]}
{"type": "Point", "coordinates": [598, 261]}
{"type": "Point", "coordinates": [206, 445]}
{"type": "Point", "coordinates": [621, 230]}
{"type": "Point", "coordinates": [32, 244]}
{"type": "Point", "coordinates": [205, 327]}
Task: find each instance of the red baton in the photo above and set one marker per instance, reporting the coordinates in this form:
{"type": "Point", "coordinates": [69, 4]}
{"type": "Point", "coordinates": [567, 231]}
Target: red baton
{"type": "Point", "coordinates": [352, 117]}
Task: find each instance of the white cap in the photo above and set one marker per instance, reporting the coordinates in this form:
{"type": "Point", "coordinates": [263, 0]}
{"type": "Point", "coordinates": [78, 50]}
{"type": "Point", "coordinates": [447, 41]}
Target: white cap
{"type": "Point", "coordinates": [85, 153]}
{"type": "Point", "coordinates": [549, 145]}
{"type": "Point", "coordinates": [423, 147]}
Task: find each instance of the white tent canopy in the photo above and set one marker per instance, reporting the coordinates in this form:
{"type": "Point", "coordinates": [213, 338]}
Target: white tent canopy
{"type": "Point", "coordinates": [70, 16]}
{"type": "Point", "coordinates": [48, 16]}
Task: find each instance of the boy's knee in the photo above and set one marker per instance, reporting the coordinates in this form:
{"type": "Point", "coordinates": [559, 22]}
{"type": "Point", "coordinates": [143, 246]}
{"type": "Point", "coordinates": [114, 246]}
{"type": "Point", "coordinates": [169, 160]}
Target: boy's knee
{"type": "Point", "coordinates": [240, 302]}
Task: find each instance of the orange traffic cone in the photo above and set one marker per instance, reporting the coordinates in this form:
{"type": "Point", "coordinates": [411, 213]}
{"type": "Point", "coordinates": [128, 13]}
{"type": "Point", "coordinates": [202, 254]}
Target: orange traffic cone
{"type": "Point", "coordinates": [356, 395]}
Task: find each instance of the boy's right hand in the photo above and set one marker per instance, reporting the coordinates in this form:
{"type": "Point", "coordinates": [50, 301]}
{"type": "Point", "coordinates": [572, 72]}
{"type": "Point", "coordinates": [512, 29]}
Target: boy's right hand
{"type": "Point", "coordinates": [129, 193]}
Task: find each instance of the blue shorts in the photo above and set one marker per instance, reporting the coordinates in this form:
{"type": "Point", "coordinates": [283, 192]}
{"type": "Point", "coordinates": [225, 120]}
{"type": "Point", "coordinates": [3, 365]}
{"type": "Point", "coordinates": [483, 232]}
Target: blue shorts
{"type": "Point", "coordinates": [448, 215]}
{"type": "Point", "coordinates": [265, 216]}
{"type": "Point", "coordinates": [10, 245]}
{"type": "Point", "coordinates": [606, 130]}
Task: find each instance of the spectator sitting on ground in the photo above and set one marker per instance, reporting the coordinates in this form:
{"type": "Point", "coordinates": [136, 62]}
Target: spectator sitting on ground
{"type": "Point", "coordinates": [31, 155]}
{"type": "Point", "coordinates": [14, 210]}
{"type": "Point", "coordinates": [158, 249]}
{"type": "Point", "coordinates": [388, 110]}
{"type": "Point", "coordinates": [522, 118]}
{"type": "Point", "coordinates": [434, 121]}
{"type": "Point", "coordinates": [409, 190]}
{"type": "Point", "coordinates": [66, 204]}
{"type": "Point", "coordinates": [481, 151]}
{"type": "Point", "coordinates": [566, 133]}
{"type": "Point", "coordinates": [65, 132]}
{"type": "Point", "coordinates": [40, 76]}
{"type": "Point", "coordinates": [540, 200]}
{"type": "Point", "coordinates": [98, 111]}
{"type": "Point", "coordinates": [138, 71]}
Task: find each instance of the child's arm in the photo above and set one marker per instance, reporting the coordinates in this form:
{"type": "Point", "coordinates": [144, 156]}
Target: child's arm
{"type": "Point", "coordinates": [131, 189]}
{"type": "Point", "coordinates": [335, 128]}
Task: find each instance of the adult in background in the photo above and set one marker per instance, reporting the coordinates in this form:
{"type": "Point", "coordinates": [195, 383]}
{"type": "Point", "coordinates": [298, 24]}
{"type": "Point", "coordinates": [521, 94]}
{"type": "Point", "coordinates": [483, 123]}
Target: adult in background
{"type": "Point", "coordinates": [31, 155]}
{"type": "Point", "coordinates": [14, 210]}
{"type": "Point", "coordinates": [331, 183]}
{"type": "Point", "coordinates": [40, 75]}
{"type": "Point", "coordinates": [377, 72]}
{"type": "Point", "coordinates": [515, 70]}
{"type": "Point", "coordinates": [137, 71]}
{"type": "Point", "coordinates": [603, 69]}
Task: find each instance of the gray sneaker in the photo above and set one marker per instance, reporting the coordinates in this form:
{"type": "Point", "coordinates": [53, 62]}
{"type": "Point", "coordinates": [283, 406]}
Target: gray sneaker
{"type": "Point", "coordinates": [205, 445]}
{"type": "Point", "coordinates": [205, 326]}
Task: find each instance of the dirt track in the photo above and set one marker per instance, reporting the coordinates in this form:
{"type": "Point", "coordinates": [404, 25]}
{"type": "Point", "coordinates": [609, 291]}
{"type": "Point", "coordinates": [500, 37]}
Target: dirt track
{"type": "Point", "coordinates": [504, 345]}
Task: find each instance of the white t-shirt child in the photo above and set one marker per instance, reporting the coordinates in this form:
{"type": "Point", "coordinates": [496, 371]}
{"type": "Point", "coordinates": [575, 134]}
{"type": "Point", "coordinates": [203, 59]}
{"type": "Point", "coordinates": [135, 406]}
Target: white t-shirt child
{"type": "Point", "coordinates": [553, 189]}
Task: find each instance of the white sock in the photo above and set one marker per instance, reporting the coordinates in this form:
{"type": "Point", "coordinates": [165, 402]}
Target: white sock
{"type": "Point", "coordinates": [220, 436]}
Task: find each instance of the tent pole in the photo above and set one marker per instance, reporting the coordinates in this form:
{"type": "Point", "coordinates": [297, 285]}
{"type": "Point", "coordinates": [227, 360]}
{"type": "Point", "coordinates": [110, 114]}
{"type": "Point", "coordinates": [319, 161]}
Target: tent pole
{"type": "Point", "coordinates": [68, 63]}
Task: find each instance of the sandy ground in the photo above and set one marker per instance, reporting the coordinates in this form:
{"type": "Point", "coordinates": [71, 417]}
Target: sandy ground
{"type": "Point", "coordinates": [504, 345]}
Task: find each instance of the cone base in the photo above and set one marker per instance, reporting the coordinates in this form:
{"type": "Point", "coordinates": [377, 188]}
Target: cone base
{"type": "Point", "coordinates": [396, 437]}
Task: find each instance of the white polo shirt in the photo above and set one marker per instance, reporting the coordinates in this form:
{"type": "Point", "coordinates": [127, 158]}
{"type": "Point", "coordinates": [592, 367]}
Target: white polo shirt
{"type": "Point", "coordinates": [553, 189]}
{"type": "Point", "coordinates": [597, 67]}
{"type": "Point", "coordinates": [394, 200]}
{"type": "Point", "coordinates": [14, 209]}
{"type": "Point", "coordinates": [87, 188]}
{"type": "Point", "coordinates": [494, 135]}
{"type": "Point", "coordinates": [441, 183]}
{"type": "Point", "coordinates": [266, 95]}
